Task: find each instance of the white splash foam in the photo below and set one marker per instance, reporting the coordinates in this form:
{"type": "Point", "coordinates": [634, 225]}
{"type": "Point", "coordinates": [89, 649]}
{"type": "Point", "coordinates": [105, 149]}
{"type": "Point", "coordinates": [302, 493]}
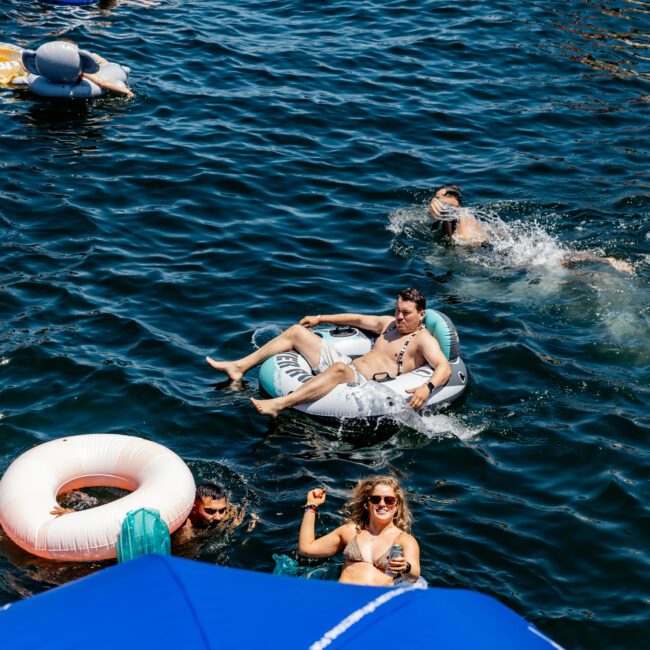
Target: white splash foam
{"type": "Point", "coordinates": [372, 398]}
{"type": "Point", "coordinates": [439, 425]}
{"type": "Point", "coordinates": [518, 243]}
{"type": "Point", "coordinates": [264, 334]}
{"type": "Point", "coordinates": [402, 218]}
{"type": "Point", "coordinates": [619, 310]}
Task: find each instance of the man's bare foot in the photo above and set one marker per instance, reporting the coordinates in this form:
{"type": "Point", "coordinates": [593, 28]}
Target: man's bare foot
{"type": "Point", "coordinates": [267, 406]}
{"type": "Point", "coordinates": [227, 367]}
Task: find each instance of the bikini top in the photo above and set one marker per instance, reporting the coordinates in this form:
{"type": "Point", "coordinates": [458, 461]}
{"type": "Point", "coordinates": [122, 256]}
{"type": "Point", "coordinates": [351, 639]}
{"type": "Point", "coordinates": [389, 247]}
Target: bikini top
{"type": "Point", "coordinates": [352, 553]}
{"type": "Point", "coordinates": [400, 356]}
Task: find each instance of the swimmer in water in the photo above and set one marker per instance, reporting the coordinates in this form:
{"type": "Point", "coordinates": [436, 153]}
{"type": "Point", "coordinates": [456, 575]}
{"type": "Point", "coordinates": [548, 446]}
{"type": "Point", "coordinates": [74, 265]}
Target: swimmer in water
{"type": "Point", "coordinates": [466, 230]}
{"type": "Point", "coordinates": [211, 507]}
{"type": "Point", "coordinates": [379, 517]}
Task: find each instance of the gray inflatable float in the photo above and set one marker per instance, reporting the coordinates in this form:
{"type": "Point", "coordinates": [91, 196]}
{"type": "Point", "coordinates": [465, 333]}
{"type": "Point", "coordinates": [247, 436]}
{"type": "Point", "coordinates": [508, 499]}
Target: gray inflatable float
{"type": "Point", "coordinates": [56, 67]}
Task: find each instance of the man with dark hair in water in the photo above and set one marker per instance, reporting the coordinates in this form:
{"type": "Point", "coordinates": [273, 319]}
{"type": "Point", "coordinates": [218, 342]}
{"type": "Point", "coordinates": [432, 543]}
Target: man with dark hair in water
{"type": "Point", "coordinates": [211, 507]}
{"type": "Point", "coordinates": [403, 344]}
{"type": "Point", "coordinates": [467, 230]}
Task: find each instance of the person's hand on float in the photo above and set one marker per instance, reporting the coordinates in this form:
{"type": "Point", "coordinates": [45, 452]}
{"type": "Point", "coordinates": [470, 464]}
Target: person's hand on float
{"type": "Point", "coordinates": [316, 497]}
{"type": "Point", "coordinates": [419, 396]}
{"type": "Point", "coordinates": [310, 321]}
{"type": "Point", "coordinates": [58, 511]}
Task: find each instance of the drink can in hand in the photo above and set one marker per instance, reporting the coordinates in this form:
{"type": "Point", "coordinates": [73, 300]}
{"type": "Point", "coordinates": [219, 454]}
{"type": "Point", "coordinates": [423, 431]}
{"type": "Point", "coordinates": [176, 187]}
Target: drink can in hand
{"type": "Point", "coordinates": [396, 550]}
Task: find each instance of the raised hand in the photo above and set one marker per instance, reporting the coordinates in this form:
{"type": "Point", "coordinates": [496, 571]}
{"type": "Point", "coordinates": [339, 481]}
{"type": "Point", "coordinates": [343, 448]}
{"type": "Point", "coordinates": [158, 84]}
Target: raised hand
{"type": "Point", "coordinates": [316, 497]}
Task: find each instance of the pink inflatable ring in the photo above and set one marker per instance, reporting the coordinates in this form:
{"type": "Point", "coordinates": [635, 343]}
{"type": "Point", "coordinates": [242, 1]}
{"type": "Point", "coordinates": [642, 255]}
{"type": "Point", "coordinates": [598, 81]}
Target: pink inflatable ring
{"type": "Point", "coordinates": [155, 475]}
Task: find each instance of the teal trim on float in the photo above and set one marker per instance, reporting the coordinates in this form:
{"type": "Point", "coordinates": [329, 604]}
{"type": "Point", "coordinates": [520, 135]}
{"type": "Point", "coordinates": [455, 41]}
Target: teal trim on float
{"type": "Point", "coordinates": [443, 330]}
{"type": "Point", "coordinates": [267, 375]}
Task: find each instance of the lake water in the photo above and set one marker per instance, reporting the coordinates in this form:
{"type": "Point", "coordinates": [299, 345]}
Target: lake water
{"type": "Point", "coordinates": [275, 162]}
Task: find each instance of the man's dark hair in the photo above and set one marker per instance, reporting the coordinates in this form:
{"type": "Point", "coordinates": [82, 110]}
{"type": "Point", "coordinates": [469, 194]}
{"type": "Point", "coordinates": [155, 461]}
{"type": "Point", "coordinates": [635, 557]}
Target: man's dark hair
{"type": "Point", "coordinates": [414, 296]}
{"type": "Point", "coordinates": [450, 190]}
{"type": "Point", "coordinates": [210, 490]}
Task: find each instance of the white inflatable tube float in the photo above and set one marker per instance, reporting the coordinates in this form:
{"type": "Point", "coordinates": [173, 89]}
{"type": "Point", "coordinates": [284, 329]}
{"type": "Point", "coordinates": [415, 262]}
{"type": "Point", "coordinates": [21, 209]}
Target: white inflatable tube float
{"type": "Point", "coordinates": [284, 373]}
{"type": "Point", "coordinates": [155, 475]}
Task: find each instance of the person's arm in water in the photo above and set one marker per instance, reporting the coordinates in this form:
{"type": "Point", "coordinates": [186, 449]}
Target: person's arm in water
{"type": "Point", "coordinates": [308, 545]}
{"type": "Point", "coordinates": [580, 257]}
{"type": "Point", "coordinates": [407, 566]}
{"type": "Point", "coordinates": [99, 58]}
{"type": "Point", "coordinates": [434, 356]}
{"type": "Point", "coordinates": [58, 511]}
{"type": "Point", "coordinates": [109, 85]}
{"type": "Point", "coordinates": [375, 324]}
{"type": "Point", "coordinates": [184, 534]}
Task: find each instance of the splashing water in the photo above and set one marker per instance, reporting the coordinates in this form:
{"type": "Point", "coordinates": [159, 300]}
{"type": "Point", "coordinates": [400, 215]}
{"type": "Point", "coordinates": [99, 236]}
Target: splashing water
{"type": "Point", "coordinates": [373, 398]}
{"type": "Point", "coordinates": [518, 244]}
{"type": "Point", "coordinates": [515, 244]}
{"type": "Point", "coordinates": [438, 425]}
{"type": "Point", "coordinates": [263, 335]}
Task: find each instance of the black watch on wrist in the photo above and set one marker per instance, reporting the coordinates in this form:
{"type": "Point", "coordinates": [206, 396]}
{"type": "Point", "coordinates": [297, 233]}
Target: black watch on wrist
{"type": "Point", "coordinates": [408, 568]}
{"type": "Point", "coordinates": [431, 387]}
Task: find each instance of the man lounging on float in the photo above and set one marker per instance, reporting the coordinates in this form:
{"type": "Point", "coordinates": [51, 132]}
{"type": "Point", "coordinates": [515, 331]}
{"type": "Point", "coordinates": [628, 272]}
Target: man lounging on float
{"type": "Point", "coordinates": [403, 344]}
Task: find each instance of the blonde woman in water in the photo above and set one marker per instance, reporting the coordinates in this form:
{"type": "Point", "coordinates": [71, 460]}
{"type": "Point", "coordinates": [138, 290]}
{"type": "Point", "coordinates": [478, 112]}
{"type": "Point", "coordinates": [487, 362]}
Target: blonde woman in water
{"type": "Point", "coordinates": [379, 517]}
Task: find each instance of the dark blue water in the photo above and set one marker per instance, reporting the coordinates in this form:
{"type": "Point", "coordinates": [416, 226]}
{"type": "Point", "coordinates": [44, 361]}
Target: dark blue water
{"type": "Point", "coordinates": [276, 161]}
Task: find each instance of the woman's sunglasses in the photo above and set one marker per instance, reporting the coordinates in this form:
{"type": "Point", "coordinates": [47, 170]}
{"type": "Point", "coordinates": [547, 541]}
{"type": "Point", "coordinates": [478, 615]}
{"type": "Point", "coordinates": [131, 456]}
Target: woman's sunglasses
{"type": "Point", "coordinates": [214, 511]}
{"type": "Point", "coordinates": [376, 500]}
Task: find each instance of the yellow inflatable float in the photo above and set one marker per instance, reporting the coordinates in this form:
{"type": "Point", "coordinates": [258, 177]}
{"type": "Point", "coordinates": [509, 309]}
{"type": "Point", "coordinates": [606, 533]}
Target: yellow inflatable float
{"type": "Point", "coordinates": [11, 64]}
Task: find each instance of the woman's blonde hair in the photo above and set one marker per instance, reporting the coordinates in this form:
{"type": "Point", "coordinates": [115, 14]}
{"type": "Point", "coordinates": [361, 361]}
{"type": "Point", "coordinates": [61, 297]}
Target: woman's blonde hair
{"type": "Point", "coordinates": [357, 506]}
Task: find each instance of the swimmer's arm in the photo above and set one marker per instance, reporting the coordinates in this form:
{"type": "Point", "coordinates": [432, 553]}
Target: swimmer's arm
{"type": "Point", "coordinates": [109, 85]}
{"type": "Point", "coordinates": [99, 58]}
{"type": "Point", "coordinates": [236, 515]}
{"type": "Point", "coordinates": [375, 324]}
{"type": "Point", "coordinates": [184, 533]}
{"type": "Point", "coordinates": [253, 522]}
{"type": "Point", "coordinates": [436, 206]}
{"type": "Point", "coordinates": [435, 357]}
{"type": "Point", "coordinates": [578, 257]}
{"type": "Point", "coordinates": [58, 511]}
